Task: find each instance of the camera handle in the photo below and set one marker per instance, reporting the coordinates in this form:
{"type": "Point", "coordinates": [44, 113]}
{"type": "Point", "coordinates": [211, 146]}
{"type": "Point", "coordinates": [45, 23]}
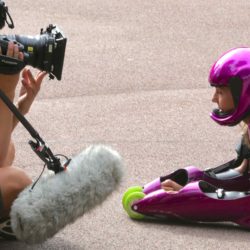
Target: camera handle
{"type": "Point", "coordinates": [39, 147]}
{"type": "Point", "coordinates": [9, 65]}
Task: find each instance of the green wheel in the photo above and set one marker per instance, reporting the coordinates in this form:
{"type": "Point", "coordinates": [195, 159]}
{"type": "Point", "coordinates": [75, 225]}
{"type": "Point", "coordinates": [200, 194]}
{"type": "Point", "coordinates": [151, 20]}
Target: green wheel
{"type": "Point", "coordinates": [130, 191]}
{"type": "Point", "coordinates": [131, 198]}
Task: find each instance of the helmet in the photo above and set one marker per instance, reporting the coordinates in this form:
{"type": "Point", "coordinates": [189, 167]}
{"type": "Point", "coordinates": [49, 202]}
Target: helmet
{"type": "Point", "coordinates": [233, 70]}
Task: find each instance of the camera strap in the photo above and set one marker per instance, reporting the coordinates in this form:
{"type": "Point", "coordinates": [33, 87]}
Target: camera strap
{"type": "Point", "coordinates": [10, 65]}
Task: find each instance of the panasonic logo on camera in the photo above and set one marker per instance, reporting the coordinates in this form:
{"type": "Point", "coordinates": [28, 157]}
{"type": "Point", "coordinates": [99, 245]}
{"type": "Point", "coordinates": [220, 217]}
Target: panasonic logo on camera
{"type": "Point", "coordinates": [9, 62]}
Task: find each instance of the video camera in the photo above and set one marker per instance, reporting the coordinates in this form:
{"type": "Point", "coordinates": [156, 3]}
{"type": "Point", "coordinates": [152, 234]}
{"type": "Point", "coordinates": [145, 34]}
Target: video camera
{"type": "Point", "coordinates": [45, 51]}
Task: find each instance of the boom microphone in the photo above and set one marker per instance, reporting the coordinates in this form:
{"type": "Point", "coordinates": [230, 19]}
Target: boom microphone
{"type": "Point", "coordinates": [59, 199]}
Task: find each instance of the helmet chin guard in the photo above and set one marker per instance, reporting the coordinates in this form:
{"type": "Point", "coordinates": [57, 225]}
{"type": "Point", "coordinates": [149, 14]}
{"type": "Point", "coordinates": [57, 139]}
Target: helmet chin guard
{"type": "Point", "coordinates": [223, 118]}
{"type": "Point", "coordinates": [232, 70]}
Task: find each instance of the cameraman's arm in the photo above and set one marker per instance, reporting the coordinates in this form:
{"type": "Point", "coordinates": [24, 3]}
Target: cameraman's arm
{"type": "Point", "coordinates": [7, 85]}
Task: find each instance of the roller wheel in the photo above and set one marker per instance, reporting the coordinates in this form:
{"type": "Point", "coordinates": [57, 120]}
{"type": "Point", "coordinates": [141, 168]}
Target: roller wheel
{"type": "Point", "coordinates": [130, 191]}
{"type": "Point", "coordinates": [131, 198]}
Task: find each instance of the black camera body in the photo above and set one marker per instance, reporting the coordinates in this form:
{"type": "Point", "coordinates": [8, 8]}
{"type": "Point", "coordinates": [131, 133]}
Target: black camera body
{"type": "Point", "coordinates": [45, 51]}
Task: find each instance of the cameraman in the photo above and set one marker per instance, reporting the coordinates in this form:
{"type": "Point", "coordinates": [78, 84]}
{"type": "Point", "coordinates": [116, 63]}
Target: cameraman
{"type": "Point", "coordinates": [13, 179]}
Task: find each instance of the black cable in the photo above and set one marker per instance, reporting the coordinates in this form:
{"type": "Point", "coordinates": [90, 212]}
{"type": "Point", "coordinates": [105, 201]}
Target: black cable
{"type": "Point", "coordinates": [39, 177]}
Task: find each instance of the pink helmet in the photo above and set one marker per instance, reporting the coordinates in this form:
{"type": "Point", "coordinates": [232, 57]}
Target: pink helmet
{"type": "Point", "coordinates": [233, 70]}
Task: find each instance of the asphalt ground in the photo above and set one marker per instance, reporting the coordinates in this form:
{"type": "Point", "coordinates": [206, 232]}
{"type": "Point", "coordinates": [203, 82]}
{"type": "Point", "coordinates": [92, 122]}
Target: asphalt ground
{"type": "Point", "coordinates": [135, 77]}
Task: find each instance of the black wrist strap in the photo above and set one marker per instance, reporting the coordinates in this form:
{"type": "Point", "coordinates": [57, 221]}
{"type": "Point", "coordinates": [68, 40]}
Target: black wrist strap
{"type": "Point", "coordinates": [10, 65]}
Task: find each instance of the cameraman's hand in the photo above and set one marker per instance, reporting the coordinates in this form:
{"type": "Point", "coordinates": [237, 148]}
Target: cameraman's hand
{"type": "Point", "coordinates": [29, 90]}
{"type": "Point", "coordinates": [8, 82]}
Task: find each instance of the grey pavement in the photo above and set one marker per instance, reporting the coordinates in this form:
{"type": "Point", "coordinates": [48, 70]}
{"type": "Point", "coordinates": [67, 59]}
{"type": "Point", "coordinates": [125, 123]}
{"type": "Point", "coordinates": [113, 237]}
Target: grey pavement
{"type": "Point", "coordinates": [135, 77]}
